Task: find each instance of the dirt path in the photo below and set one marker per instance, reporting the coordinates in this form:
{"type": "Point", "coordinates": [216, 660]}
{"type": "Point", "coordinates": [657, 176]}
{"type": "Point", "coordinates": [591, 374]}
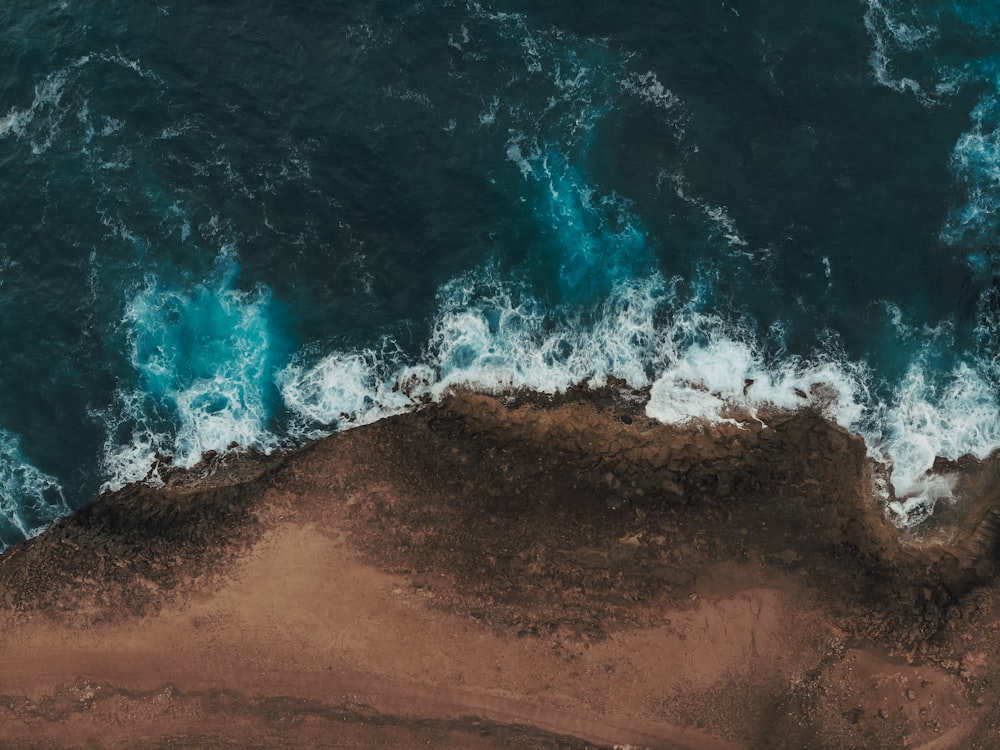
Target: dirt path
{"type": "Point", "coordinates": [303, 622]}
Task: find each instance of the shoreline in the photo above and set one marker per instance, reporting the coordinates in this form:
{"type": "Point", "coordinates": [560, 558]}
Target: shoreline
{"type": "Point", "coordinates": [567, 570]}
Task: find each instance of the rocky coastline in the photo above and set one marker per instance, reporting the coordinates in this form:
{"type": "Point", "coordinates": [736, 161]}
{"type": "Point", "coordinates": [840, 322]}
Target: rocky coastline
{"type": "Point", "coordinates": [513, 571]}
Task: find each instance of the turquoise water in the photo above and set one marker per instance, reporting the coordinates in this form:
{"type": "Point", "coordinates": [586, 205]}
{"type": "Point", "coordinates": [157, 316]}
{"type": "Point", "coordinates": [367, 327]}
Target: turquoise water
{"type": "Point", "coordinates": [249, 226]}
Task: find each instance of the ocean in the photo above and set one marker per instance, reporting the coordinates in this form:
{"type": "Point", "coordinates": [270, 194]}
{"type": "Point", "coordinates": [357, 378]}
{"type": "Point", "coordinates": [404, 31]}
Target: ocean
{"type": "Point", "coordinates": [246, 226]}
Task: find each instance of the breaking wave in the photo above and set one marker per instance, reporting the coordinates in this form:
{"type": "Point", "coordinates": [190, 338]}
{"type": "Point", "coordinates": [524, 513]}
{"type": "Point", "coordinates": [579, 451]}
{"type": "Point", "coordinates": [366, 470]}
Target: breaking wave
{"type": "Point", "coordinates": [203, 355]}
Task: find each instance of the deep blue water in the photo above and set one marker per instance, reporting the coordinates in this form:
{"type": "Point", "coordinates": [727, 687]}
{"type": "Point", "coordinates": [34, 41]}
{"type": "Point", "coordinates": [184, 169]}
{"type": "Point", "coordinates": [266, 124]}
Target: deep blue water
{"type": "Point", "coordinates": [253, 224]}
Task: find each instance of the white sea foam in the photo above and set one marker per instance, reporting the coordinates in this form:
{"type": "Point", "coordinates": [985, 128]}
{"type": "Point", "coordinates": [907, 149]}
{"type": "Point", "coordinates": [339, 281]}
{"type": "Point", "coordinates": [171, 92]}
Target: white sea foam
{"type": "Point", "coordinates": [29, 499]}
{"type": "Point", "coordinates": [898, 29]}
{"type": "Point", "coordinates": [57, 99]}
{"type": "Point", "coordinates": [975, 161]}
{"type": "Point", "coordinates": [522, 156]}
{"type": "Point", "coordinates": [487, 335]}
{"type": "Point", "coordinates": [721, 222]}
{"type": "Point", "coordinates": [46, 106]}
{"type": "Point", "coordinates": [494, 335]}
{"type": "Point", "coordinates": [203, 358]}
{"type": "Point", "coordinates": [929, 417]}
{"type": "Point", "coordinates": [341, 390]}
{"type": "Point", "coordinates": [649, 88]}
{"type": "Point", "coordinates": [723, 376]}
{"type": "Point", "coordinates": [902, 22]}
{"type": "Point", "coordinates": [893, 29]}
{"type": "Point", "coordinates": [132, 444]}
{"type": "Point", "coordinates": [134, 65]}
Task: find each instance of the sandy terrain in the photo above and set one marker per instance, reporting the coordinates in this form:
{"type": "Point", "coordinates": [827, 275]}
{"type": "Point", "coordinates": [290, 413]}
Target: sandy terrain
{"type": "Point", "coordinates": [511, 573]}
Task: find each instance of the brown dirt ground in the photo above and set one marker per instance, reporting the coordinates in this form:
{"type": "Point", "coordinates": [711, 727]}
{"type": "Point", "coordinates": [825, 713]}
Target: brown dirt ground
{"type": "Point", "coordinates": [517, 571]}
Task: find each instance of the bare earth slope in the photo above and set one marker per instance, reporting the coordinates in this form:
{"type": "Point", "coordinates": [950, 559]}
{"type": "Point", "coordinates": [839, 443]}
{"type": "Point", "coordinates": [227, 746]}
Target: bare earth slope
{"type": "Point", "coordinates": [511, 572]}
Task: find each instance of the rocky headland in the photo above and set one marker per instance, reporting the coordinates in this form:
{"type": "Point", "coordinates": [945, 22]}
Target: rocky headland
{"type": "Point", "coordinates": [513, 571]}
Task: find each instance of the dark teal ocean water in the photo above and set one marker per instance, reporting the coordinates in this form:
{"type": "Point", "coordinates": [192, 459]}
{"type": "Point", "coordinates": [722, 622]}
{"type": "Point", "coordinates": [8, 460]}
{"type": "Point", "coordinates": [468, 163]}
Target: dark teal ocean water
{"type": "Point", "coordinates": [251, 224]}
